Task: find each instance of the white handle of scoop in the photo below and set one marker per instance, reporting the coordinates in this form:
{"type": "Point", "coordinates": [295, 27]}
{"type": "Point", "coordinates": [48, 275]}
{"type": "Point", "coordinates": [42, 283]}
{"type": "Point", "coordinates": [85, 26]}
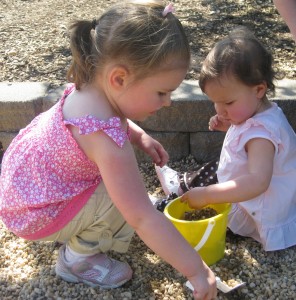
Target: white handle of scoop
{"type": "Point", "coordinates": [223, 287]}
{"type": "Point", "coordinates": [206, 235]}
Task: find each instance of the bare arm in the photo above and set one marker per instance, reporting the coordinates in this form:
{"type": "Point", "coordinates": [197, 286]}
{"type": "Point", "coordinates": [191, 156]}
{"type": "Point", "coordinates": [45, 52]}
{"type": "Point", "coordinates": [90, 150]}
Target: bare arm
{"type": "Point", "coordinates": [287, 9]}
{"type": "Point", "coordinates": [123, 181]}
{"type": "Point", "coordinates": [243, 188]}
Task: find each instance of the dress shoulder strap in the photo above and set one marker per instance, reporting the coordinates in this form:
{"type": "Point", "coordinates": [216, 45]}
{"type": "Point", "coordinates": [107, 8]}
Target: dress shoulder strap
{"type": "Point", "coordinates": [90, 124]}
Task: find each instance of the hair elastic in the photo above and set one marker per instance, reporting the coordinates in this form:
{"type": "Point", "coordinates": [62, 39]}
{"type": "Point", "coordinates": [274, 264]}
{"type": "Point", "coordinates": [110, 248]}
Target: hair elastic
{"type": "Point", "coordinates": [93, 24]}
{"type": "Point", "coordinates": [168, 9]}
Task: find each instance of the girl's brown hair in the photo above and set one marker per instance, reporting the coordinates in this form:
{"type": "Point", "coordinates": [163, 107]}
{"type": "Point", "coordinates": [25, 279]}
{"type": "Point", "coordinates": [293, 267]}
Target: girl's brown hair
{"type": "Point", "coordinates": [241, 55]}
{"type": "Point", "coordinates": [133, 33]}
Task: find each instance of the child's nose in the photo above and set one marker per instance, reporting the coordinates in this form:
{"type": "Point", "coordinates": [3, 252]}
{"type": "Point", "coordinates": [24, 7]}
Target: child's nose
{"type": "Point", "coordinates": [220, 110]}
{"type": "Point", "coordinates": [167, 101]}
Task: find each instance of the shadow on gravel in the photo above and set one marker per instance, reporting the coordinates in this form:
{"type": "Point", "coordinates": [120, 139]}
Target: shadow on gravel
{"type": "Point", "coordinates": [226, 16]}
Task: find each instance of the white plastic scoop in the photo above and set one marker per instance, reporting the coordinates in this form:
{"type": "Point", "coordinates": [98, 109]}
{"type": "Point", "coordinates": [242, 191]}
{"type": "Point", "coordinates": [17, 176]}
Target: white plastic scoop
{"type": "Point", "coordinates": [223, 287]}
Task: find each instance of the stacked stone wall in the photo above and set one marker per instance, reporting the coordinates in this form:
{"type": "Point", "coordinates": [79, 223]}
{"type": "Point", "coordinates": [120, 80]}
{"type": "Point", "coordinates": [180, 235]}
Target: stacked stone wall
{"type": "Point", "coordinates": [182, 128]}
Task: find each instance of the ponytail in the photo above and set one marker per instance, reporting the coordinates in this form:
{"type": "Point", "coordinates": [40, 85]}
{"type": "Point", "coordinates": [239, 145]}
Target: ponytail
{"type": "Point", "coordinates": [81, 42]}
{"type": "Point", "coordinates": [142, 35]}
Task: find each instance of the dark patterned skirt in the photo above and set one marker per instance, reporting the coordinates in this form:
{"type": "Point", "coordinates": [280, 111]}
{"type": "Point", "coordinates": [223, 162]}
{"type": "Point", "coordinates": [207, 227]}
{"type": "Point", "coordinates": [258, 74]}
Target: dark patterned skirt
{"type": "Point", "coordinates": [204, 175]}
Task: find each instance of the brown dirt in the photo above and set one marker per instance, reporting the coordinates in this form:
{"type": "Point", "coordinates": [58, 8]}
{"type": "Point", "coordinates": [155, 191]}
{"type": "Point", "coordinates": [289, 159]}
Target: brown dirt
{"type": "Point", "coordinates": [35, 45]}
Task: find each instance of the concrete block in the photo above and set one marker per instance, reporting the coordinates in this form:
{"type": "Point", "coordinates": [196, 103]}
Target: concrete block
{"type": "Point", "coordinates": [285, 89]}
{"type": "Point", "coordinates": [6, 138]}
{"type": "Point", "coordinates": [182, 128]}
{"type": "Point", "coordinates": [288, 107]}
{"type": "Point", "coordinates": [52, 97]}
{"type": "Point", "coordinates": [182, 115]}
{"type": "Point", "coordinates": [206, 146]}
{"type": "Point", "coordinates": [191, 109]}
{"type": "Point", "coordinates": [20, 102]}
{"type": "Point", "coordinates": [175, 143]}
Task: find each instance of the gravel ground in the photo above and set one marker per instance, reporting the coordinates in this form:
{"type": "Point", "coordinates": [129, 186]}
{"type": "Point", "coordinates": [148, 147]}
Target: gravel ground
{"type": "Point", "coordinates": [27, 268]}
{"type": "Point", "coordinates": [34, 47]}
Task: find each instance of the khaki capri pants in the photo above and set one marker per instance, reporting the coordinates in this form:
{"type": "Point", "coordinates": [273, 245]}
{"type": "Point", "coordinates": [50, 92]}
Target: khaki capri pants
{"type": "Point", "coordinates": [98, 227]}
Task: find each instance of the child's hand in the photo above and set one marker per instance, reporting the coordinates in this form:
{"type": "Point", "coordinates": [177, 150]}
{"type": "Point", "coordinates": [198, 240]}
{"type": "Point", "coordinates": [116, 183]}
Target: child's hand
{"type": "Point", "coordinates": [218, 123]}
{"type": "Point", "coordinates": [196, 197]}
{"type": "Point", "coordinates": [204, 286]}
{"type": "Point", "coordinates": [154, 149]}
{"type": "Point", "coordinates": [148, 144]}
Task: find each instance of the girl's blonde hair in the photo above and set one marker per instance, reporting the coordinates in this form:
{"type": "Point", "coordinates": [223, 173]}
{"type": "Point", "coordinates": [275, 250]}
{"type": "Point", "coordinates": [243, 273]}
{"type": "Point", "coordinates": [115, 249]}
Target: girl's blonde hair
{"type": "Point", "coordinates": [132, 33]}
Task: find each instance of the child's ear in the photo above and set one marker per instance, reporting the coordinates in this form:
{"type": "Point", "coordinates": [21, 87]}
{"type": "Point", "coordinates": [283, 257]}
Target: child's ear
{"type": "Point", "coordinates": [118, 77]}
{"type": "Point", "coordinates": [261, 89]}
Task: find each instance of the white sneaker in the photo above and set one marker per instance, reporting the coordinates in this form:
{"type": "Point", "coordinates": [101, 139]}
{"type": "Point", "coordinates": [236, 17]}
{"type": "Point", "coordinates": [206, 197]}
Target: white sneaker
{"type": "Point", "coordinates": [169, 179]}
{"type": "Point", "coordinates": [154, 199]}
{"type": "Point", "coordinates": [96, 270]}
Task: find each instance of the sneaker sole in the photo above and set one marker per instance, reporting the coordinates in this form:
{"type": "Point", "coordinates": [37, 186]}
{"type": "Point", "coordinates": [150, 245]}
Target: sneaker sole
{"type": "Point", "coordinates": [73, 279]}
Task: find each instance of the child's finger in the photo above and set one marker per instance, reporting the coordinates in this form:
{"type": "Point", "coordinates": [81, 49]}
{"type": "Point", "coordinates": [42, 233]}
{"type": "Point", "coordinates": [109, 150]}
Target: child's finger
{"type": "Point", "coordinates": [214, 121]}
{"type": "Point", "coordinates": [183, 198]}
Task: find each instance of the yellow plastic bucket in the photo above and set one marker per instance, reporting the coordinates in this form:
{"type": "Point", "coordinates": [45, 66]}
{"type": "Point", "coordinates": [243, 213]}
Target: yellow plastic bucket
{"type": "Point", "coordinates": [206, 236]}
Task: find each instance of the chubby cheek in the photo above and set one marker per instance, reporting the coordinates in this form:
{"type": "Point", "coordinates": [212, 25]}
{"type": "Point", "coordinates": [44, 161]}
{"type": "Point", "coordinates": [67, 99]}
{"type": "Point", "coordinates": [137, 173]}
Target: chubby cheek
{"type": "Point", "coordinates": [154, 104]}
{"type": "Point", "coordinates": [241, 114]}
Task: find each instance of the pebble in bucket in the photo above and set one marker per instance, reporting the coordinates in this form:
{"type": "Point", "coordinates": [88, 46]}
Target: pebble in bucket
{"type": "Point", "coordinates": [206, 236]}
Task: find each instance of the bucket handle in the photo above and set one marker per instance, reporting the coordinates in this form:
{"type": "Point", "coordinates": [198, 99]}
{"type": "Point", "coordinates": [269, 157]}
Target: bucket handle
{"type": "Point", "coordinates": [206, 235]}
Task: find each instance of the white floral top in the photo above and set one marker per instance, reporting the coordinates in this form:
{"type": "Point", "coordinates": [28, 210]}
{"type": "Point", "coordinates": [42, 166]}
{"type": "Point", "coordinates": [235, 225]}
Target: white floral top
{"type": "Point", "coordinates": [46, 178]}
